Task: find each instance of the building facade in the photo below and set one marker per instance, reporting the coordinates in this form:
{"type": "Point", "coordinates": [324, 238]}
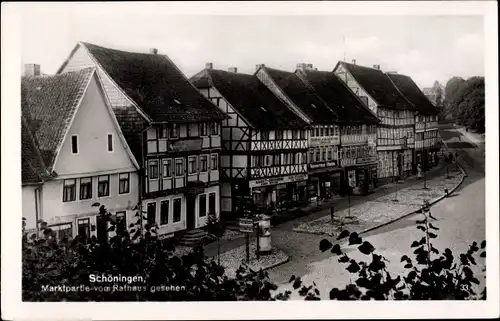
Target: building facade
{"type": "Point", "coordinates": [426, 121]}
{"type": "Point", "coordinates": [74, 155]}
{"type": "Point", "coordinates": [264, 145]}
{"type": "Point", "coordinates": [172, 129]}
{"type": "Point", "coordinates": [396, 129]}
{"type": "Point", "coordinates": [324, 171]}
{"type": "Point", "coordinates": [357, 124]}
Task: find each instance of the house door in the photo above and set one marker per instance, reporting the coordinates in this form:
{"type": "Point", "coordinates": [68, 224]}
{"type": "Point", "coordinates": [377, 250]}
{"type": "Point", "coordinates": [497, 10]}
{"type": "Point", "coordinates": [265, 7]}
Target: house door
{"type": "Point", "coordinates": [102, 229]}
{"type": "Point", "coordinates": [190, 212]}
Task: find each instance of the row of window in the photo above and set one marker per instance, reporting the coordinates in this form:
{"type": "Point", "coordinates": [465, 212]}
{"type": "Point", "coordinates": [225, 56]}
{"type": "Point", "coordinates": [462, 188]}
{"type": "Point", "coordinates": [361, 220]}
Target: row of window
{"type": "Point", "coordinates": [192, 130]}
{"type": "Point", "coordinates": [279, 159]}
{"type": "Point", "coordinates": [381, 112]}
{"type": "Point", "coordinates": [65, 230]}
{"type": "Point", "coordinates": [357, 152]}
{"type": "Point", "coordinates": [278, 134]}
{"type": "Point", "coordinates": [75, 144]}
{"type": "Point", "coordinates": [325, 131]}
{"type": "Point", "coordinates": [421, 118]}
{"type": "Point", "coordinates": [177, 209]}
{"type": "Point", "coordinates": [394, 133]}
{"type": "Point", "coordinates": [323, 154]}
{"type": "Point", "coordinates": [86, 187]}
{"type": "Point", "coordinates": [426, 135]}
{"type": "Point", "coordinates": [195, 163]}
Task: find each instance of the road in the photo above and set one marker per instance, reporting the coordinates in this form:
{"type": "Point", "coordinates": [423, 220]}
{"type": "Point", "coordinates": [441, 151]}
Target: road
{"type": "Point", "coordinates": [461, 219]}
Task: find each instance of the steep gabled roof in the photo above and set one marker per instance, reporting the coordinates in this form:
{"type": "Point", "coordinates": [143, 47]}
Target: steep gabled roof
{"type": "Point", "coordinates": [250, 98]}
{"type": "Point", "coordinates": [338, 96]}
{"type": "Point", "coordinates": [155, 84]}
{"type": "Point", "coordinates": [378, 85]}
{"type": "Point", "coordinates": [302, 96]}
{"type": "Point", "coordinates": [410, 90]}
{"type": "Point", "coordinates": [49, 103]}
{"type": "Point", "coordinates": [32, 166]}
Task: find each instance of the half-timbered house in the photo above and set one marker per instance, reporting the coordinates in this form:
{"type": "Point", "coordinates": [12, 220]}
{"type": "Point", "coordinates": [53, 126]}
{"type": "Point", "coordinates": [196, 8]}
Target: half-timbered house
{"type": "Point", "coordinates": [426, 120]}
{"type": "Point", "coordinates": [395, 132]}
{"type": "Point", "coordinates": [264, 150]}
{"type": "Point", "coordinates": [325, 173]}
{"type": "Point", "coordinates": [358, 155]}
{"type": "Point", "coordinates": [171, 128]}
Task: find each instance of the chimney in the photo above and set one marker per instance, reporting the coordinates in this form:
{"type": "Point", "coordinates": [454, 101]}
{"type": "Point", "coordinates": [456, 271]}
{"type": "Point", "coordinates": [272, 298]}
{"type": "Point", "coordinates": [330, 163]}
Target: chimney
{"type": "Point", "coordinates": [257, 67]}
{"type": "Point", "coordinates": [209, 65]}
{"type": "Point", "coordinates": [354, 61]}
{"type": "Point", "coordinates": [153, 51]}
{"type": "Point", "coordinates": [233, 69]}
{"type": "Point", "coordinates": [376, 66]}
{"type": "Point", "coordinates": [32, 70]}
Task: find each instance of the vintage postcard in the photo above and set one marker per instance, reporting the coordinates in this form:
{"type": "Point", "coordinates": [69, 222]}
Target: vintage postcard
{"type": "Point", "coordinates": [160, 154]}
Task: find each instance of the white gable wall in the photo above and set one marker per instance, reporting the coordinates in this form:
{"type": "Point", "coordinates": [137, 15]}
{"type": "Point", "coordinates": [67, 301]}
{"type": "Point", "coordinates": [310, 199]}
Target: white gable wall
{"type": "Point", "coordinates": [355, 87]}
{"type": "Point", "coordinates": [92, 124]}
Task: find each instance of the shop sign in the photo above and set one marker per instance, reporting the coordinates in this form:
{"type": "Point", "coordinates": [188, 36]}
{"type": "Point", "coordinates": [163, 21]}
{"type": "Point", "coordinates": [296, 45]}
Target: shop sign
{"type": "Point", "coordinates": [364, 160]}
{"type": "Point", "coordinates": [277, 180]}
{"type": "Point", "coordinates": [323, 165]}
{"type": "Point", "coordinates": [246, 225]}
{"type": "Point", "coordinates": [186, 145]}
{"type": "Point", "coordinates": [323, 141]}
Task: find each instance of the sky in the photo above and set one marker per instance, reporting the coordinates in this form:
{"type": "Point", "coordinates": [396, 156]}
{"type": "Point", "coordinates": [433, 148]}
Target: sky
{"type": "Point", "coordinates": [427, 48]}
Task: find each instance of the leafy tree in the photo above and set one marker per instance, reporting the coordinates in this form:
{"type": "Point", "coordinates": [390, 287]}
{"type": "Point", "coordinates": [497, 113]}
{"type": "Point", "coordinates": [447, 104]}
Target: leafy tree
{"type": "Point", "coordinates": [133, 251]}
{"type": "Point", "coordinates": [451, 88]}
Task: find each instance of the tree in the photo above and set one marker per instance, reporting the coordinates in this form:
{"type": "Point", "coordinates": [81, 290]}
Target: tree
{"type": "Point", "coordinates": [451, 88]}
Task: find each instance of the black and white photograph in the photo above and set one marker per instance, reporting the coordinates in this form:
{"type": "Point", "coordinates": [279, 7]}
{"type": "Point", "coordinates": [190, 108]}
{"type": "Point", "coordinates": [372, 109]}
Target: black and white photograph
{"type": "Point", "coordinates": [213, 152]}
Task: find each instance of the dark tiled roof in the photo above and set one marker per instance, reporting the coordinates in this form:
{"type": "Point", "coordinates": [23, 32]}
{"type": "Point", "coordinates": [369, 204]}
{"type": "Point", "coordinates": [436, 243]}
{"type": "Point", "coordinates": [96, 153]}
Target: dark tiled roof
{"type": "Point", "coordinates": [48, 104]}
{"type": "Point", "coordinates": [303, 96]}
{"type": "Point", "coordinates": [379, 87]}
{"type": "Point", "coordinates": [410, 90]}
{"type": "Point", "coordinates": [131, 124]}
{"type": "Point", "coordinates": [32, 166]}
{"type": "Point", "coordinates": [250, 98]}
{"type": "Point", "coordinates": [338, 96]}
{"type": "Point", "coordinates": [156, 85]}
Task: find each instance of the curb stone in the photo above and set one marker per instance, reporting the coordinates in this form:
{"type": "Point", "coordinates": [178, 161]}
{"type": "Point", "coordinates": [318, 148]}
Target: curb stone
{"type": "Point", "coordinates": [271, 266]}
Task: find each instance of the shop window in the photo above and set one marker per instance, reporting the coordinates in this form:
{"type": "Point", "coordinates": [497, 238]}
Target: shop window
{"type": "Point", "coordinates": [84, 227]}
{"type": "Point", "coordinates": [62, 230]}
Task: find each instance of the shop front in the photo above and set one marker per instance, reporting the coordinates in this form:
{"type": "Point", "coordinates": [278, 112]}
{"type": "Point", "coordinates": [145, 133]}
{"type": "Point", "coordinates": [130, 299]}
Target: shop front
{"type": "Point", "coordinates": [362, 177]}
{"type": "Point", "coordinates": [284, 192]}
{"type": "Point", "coordinates": [325, 181]}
